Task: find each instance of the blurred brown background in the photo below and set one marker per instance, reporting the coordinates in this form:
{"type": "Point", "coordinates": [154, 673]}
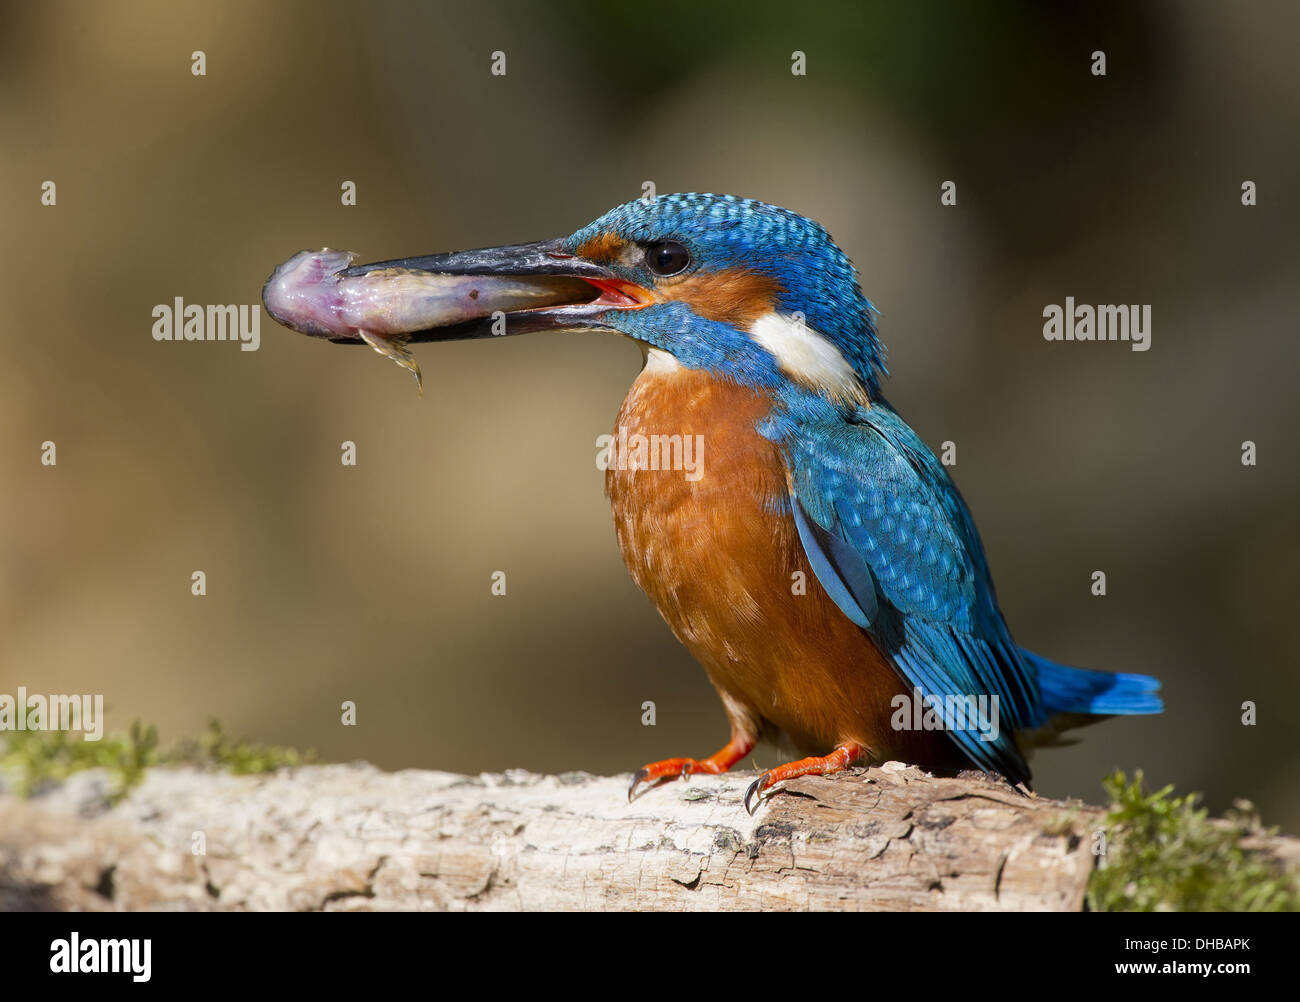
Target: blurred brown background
{"type": "Point", "coordinates": [371, 583]}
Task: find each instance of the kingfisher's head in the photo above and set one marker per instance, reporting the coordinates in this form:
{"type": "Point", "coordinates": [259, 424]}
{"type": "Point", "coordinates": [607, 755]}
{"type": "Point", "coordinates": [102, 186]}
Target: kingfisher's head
{"type": "Point", "coordinates": [753, 292]}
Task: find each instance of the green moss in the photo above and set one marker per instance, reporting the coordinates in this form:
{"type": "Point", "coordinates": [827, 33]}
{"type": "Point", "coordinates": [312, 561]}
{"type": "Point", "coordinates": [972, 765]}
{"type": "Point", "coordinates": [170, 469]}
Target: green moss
{"type": "Point", "coordinates": [34, 759]}
{"type": "Point", "coordinates": [214, 748]}
{"type": "Point", "coordinates": [1164, 853]}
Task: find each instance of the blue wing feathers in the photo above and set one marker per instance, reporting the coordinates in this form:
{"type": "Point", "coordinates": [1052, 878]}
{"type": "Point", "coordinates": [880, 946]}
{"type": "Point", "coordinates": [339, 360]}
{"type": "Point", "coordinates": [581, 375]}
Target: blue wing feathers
{"type": "Point", "coordinates": [892, 542]}
{"type": "Point", "coordinates": [846, 578]}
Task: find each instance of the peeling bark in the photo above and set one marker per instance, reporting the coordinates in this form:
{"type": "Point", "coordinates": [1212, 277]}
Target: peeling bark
{"type": "Point", "coordinates": [350, 837]}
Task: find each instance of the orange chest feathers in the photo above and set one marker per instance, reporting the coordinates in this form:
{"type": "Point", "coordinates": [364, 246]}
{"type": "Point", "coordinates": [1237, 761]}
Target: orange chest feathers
{"type": "Point", "coordinates": [722, 561]}
{"type": "Point", "coordinates": [692, 485]}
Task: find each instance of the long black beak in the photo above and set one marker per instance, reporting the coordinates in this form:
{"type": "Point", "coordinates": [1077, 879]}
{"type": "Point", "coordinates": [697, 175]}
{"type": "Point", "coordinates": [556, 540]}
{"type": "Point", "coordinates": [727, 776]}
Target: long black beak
{"type": "Point", "coordinates": [545, 257]}
{"type": "Point", "coordinates": [559, 280]}
{"type": "Point", "coordinates": [571, 293]}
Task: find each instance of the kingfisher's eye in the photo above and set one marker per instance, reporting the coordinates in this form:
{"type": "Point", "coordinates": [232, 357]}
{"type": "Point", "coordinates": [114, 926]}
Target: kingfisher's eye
{"type": "Point", "coordinates": [667, 257]}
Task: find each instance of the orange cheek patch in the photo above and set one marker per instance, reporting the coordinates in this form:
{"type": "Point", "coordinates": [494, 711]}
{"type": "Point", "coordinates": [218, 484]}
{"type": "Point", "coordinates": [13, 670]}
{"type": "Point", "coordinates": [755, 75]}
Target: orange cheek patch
{"type": "Point", "coordinates": [732, 296]}
{"type": "Point", "coordinates": [602, 247]}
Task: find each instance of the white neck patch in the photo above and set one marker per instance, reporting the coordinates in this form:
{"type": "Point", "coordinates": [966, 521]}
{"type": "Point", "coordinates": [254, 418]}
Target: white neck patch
{"type": "Point", "coordinates": [660, 363]}
{"type": "Point", "coordinates": [808, 357]}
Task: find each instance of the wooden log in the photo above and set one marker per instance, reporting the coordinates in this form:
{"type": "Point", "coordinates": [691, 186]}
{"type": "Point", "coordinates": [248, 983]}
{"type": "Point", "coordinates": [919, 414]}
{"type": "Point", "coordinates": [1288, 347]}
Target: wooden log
{"type": "Point", "coordinates": [343, 837]}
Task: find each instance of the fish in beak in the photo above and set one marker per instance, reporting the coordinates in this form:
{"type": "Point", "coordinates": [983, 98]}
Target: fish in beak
{"type": "Point", "coordinates": [444, 297]}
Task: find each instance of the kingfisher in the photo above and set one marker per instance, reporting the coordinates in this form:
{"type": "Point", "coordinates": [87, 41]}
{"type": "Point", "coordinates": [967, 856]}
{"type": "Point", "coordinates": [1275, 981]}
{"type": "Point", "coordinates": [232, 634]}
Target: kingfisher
{"type": "Point", "coordinates": [821, 564]}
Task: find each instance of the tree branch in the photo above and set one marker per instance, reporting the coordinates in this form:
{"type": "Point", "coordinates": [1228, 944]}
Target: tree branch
{"type": "Point", "coordinates": [343, 837]}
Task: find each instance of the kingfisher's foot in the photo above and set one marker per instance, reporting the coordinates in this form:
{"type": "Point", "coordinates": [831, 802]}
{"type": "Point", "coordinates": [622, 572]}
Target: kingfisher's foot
{"type": "Point", "coordinates": [841, 758]}
{"type": "Point", "coordinates": [679, 768]}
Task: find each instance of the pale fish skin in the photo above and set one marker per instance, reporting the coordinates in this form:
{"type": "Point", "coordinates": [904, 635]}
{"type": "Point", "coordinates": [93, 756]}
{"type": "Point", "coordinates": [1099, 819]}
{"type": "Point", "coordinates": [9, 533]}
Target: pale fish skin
{"type": "Point", "coordinates": [308, 294]}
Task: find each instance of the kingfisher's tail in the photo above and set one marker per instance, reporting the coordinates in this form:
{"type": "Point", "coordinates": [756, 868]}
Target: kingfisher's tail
{"type": "Point", "coordinates": [1082, 690]}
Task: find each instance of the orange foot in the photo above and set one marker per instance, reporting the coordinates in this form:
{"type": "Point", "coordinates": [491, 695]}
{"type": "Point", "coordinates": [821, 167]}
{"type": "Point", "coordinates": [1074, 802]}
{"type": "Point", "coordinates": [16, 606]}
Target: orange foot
{"type": "Point", "coordinates": [841, 758]}
{"type": "Point", "coordinates": [679, 768]}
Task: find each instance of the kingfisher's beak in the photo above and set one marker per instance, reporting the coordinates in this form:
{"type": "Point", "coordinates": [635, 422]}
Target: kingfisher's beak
{"type": "Point", "coordinates": [571, 293]}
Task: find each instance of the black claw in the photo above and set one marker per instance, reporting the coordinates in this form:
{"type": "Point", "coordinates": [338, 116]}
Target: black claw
{"type": "Point", "coordinates": [637, 776]}
{"type": "Point", "coordinates": [754, 788]}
